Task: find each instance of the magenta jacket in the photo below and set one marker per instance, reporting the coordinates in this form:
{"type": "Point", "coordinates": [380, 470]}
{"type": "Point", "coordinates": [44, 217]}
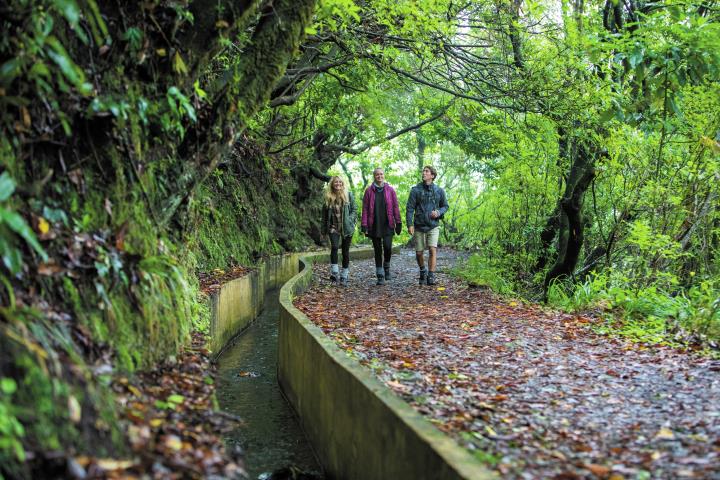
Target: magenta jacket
{"type": "Point", "coordinates": [391, 203]}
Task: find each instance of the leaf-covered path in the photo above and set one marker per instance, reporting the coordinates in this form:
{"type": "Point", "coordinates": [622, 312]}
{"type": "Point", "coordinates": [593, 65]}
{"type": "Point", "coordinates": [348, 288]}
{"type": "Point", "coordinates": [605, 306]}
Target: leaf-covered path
{"type": "Point", "coordinates": [537, 391]}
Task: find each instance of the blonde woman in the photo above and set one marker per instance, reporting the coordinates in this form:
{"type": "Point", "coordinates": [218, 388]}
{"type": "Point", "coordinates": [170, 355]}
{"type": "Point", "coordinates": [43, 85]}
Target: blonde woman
{"type": "Point", "coordinates": [338, 222]}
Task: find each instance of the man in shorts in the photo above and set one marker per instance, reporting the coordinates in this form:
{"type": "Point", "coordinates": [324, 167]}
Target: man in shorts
{"type": "Point", "coordinates": [425, 207]}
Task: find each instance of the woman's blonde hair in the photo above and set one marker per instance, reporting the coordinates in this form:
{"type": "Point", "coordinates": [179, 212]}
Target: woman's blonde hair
{"type": "Point", "coordinates": [339, 197]}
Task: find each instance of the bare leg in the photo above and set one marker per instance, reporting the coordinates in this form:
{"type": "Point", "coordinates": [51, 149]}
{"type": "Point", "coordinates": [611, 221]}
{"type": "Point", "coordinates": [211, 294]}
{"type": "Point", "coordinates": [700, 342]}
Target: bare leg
{"type": "Point", "coordinates": [420, 259]}
{"type": "Point", "coordinates": [432, 261]}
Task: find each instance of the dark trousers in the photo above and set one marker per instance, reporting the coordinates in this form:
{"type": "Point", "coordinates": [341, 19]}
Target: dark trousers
{"type": "Point", "coordinates": [344, 243]}
{"type": "Point", "coordinates": [382, 246]}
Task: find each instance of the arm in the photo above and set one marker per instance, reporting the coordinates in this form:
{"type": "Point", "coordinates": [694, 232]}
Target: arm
{"type": "Point", "coordinates": [396, 213]}
{"type": "Point", "coordinates": [364, 217]}
{"type": "Point", "coordinates": [442, 205]}
{"type": "Point", "coordinates": [396, 208]}
{"type": "Point", "coordinates": [410, 208]}
{"type": "Point", "coordinates": [353, 207]}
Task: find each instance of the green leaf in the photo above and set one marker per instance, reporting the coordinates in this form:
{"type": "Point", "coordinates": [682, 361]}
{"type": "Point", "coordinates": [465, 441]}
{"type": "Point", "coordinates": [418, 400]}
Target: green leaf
{"type": "Point", "coordinates": [672, 105]}
{"type": "Point", "coordinates": [179, 64]}
{"type": "Point", "coordinates": [134, 37]}
{"type": "Point", "coordinates": [202, 94]}
{"type": "Point", "coordinates": [18, 225]}
{"type": "Point", "coordinates": [10, 255]}
{"type": "Point", "coordinates": [7, 186]}
{"type": "Point", "coordinates": [8, 386]}
{"type": "Point", "coordinates": [636, 57]}
{"type": "Point", "coordinates": [607, 115]}
{"type": "Point", "coordinates": [69, 10]}
{"type": "Point", "coordinates": [39, 68]}
{"type": "Point", "coordinates": [9, 70]}
{"type": "Point", "coordinates": [67, 67]}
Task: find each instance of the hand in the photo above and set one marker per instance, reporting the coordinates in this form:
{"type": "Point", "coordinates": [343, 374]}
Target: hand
{"type": "Point", "coordinates": [411, 230]}
{"type": "Point", "coordinates": [398, 228]}
{"type": "Point", "coordinates": [434, 214]}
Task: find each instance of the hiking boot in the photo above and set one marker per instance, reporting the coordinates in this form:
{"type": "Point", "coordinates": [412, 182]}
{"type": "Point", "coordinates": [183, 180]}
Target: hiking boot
{"type": "Point", "coordinates": [423, 275]}
{"type": "Point", "coordinates": [334, 272]}
{"type": "Point", "coordinates": [344, 274]}
{"type": "Point", "coordinates": [431, 278]}
{"type": "Point", "coordinates": [380, 273]}
{"type": "Point", "coordinates": [386, 267]}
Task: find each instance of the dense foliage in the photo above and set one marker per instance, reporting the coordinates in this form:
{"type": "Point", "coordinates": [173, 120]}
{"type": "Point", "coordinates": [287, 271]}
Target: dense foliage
{"type": "Point", "coordinates": [578, 142]}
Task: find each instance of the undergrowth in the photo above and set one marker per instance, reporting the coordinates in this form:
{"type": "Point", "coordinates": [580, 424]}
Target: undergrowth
{"type": "Point", "coordinates": [659, 313]}
{"type": "Point", "coordinates": [648, 314]}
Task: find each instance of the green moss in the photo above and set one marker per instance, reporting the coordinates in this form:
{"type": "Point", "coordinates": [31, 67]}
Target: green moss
{"type": "Point", "coordinates": [55, 397]}
{"type": "Point", "coordinates": [235, 219]}
{"type": "Point", "coordinates": [86, 310]}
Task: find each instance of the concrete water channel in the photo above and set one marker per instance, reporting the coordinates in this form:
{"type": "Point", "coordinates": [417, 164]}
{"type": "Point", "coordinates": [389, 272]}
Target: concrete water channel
{"type": "Point", "coordinates": [359, 428]}
{"type": "Point", "coordinates": [269, 435]}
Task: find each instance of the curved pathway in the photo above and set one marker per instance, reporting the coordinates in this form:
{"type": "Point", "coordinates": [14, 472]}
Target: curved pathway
{"type": "Point", "coordinates": [534, 393]}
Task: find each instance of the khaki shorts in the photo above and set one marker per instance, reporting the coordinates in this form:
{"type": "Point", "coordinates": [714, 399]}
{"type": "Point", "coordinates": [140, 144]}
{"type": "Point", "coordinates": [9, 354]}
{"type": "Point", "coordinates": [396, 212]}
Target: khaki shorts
{"type": "Point", "coordinates": [423, 240]}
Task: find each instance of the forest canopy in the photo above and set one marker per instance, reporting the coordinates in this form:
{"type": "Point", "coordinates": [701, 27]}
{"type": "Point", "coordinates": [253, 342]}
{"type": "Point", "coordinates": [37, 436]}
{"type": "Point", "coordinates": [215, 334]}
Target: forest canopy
{"type": "Point", "coordinates": [143, 143]}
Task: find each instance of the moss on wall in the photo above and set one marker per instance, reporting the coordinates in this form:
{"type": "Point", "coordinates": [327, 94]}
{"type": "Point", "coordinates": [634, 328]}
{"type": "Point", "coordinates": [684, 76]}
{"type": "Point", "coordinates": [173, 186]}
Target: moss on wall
{"type": "Point", "coordinates": [240, 216]}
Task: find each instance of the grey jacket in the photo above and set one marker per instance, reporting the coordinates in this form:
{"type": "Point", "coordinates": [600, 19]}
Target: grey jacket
{"type": "Point", "coordinates": [422, 200]}
{"type": "Point", "coordinates": [349, 215]}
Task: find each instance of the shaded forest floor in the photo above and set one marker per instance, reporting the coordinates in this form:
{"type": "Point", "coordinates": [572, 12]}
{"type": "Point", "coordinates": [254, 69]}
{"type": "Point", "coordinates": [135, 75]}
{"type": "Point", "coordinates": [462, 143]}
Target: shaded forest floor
{"type": "Point", "coordinates": [533, 393]}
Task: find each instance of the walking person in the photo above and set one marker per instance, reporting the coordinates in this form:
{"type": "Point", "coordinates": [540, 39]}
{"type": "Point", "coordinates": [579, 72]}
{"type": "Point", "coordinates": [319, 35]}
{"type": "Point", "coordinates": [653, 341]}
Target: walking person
{"type": "Point", "coordinates": [339, 215]}
{"type": "Point", "coordinates": [380, 221]}
{"type": "Point", "coordinates": [425, 207]}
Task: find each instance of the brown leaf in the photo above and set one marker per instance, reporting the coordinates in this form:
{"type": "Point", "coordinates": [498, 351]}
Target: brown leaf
{"type": "Point", "coordinates": [49, 269]}
{"type": "Point", "coordinates": [598, 470]}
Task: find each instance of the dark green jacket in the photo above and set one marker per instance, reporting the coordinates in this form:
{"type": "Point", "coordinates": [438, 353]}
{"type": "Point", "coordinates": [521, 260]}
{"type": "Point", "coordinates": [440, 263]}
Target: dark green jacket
{"type": "Point", "coordinates": [349, 214]}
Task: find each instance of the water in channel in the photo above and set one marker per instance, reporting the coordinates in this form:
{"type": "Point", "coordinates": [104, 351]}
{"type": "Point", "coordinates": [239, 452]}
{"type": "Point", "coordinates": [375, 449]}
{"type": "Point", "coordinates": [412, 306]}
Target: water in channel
{"type": "Point", "coordinates": [270, 435]}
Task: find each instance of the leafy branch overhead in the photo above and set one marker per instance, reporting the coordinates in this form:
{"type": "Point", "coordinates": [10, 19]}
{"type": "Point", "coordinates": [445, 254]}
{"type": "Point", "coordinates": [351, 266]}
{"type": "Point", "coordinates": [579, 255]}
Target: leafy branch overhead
{"type": "Point", "coordinates": [150, 151]}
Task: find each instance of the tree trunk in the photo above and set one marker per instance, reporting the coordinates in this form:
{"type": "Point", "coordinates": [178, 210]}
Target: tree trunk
{"type": "Point", "coordinates": [571, 232]}
{"type": "Point", "coordinates": [275, 40]}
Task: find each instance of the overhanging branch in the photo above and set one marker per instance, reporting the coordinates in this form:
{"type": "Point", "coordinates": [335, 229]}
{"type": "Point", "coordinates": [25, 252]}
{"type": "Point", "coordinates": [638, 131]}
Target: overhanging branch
{"type": "Point", "coordinates": [358, 150]}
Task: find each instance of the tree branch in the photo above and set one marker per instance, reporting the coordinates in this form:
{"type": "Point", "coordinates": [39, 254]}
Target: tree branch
{"type": "Point", "coordinates": [359, 150]}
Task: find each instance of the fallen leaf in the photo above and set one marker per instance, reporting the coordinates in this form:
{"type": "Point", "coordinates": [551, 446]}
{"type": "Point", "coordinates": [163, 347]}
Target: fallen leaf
{"type": "Point", "coordinates": [665, 434]}
{"type": "Point", "coordinates": [43, 226]}
{"type": "Point", "coordinates": [598, 470]}
{"type": "Point", "coordinates": [173, 442]}
{"type": "Point", "coordinates": [134, 390]}
{"type": "Point", "coordinates": [110, 464]}
{"type": "Point", "coordinates": [74, 409]}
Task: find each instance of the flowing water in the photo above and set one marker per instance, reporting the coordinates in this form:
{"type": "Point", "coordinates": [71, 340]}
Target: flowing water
{"type": "Point", "coordinates": [270, 435]}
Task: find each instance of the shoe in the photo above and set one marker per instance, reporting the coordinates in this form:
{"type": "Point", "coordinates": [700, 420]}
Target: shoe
{"type": "Point", "coordinates": [423, 275]}
{"type": "Point", "coordinates": [344, 274]}
{"type": "Point", "coordinates": [386, 267]}
{"type": "Point", "coordinates": [380, 273]}
{"type": "Point", "coordinates": [431, 278]}
{"type": "Point", "coordinates": [334, 272]}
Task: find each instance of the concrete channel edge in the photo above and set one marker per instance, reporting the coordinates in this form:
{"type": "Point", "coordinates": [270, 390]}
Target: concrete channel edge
{"type": "Point", "coordinates": [359, 428]}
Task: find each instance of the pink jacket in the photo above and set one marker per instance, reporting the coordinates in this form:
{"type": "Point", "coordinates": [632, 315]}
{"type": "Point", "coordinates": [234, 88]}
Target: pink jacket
{"type": "Point", "coordinates": [391, 203]}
